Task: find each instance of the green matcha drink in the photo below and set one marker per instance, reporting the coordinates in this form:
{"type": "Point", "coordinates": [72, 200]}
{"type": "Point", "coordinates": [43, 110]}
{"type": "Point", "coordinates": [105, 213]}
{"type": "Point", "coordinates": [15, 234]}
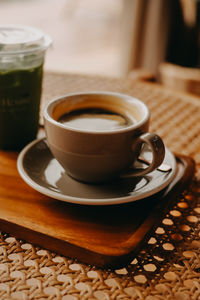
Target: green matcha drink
{"type": "Point", "coordinates": [22, 51]}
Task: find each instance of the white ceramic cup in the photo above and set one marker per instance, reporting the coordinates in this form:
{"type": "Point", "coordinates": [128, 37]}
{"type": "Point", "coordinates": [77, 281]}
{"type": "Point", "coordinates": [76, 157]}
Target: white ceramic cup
{"type": "Point", "coordinates": [95, 156]}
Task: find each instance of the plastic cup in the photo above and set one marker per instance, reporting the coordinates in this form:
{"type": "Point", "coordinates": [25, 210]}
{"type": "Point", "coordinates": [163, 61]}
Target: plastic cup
{"type": "Point", "coordinates": [22, 53]}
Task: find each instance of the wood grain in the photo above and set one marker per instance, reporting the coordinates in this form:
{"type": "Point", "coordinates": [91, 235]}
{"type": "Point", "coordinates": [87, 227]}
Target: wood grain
{"type": "Point", "coordinates": [107, 236]}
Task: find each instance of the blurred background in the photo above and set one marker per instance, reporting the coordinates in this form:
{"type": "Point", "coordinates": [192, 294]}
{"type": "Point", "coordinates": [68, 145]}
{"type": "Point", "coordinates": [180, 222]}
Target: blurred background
{"type": "Point", "coordinates": [85, 33]}
{"type": "Point", "coordinates": [112, 37]}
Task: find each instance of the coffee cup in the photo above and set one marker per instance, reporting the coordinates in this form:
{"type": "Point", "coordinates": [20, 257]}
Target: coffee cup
{"type": "Point", "coordinates": [98, 136]}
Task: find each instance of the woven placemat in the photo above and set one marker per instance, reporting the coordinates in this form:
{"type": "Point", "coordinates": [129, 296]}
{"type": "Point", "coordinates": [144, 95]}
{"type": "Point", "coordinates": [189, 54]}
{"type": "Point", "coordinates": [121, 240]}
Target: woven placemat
{"type": "Point", "coordinates": [169, 265]}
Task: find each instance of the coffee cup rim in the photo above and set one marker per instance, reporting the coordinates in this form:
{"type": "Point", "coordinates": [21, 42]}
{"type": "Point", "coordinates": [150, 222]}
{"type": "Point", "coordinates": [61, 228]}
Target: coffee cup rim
{"type": "Point", "coordinates": [49, 106]}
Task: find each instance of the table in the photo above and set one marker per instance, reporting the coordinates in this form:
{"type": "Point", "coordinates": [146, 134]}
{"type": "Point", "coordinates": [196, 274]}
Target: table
{"type": "Point", "coordinates": [168, 266]}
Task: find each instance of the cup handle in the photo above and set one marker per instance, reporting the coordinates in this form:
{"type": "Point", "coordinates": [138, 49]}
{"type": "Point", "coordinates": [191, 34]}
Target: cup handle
{"type": "Point", "coordinates": [158, 153]}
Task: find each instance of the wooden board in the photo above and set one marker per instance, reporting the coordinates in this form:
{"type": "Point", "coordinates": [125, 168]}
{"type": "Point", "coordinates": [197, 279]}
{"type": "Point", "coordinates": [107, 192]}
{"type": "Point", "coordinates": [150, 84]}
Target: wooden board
{"type": "Point", "coordinates": [106, 236]}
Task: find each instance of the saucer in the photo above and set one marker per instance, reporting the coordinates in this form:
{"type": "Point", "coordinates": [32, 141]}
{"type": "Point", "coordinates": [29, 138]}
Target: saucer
{"type": "Point", "coordinates": [40, 170]}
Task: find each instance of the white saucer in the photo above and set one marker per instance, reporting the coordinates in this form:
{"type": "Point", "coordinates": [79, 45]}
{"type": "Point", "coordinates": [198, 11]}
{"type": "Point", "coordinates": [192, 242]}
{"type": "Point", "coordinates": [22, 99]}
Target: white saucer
{"type": "Point", "coordinates": [42, 172]}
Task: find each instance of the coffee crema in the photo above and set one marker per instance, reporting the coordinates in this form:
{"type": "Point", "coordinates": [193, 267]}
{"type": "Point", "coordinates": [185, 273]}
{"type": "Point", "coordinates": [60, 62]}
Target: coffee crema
{"type": "Point", "coordinates": [95, 119]}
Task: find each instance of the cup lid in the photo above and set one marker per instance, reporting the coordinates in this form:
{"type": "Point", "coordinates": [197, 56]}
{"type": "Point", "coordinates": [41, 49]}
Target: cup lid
{"type": "Point", "coordinates": [22, 39]}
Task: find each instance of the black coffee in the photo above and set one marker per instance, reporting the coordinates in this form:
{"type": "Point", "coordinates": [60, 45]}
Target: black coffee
{"type": "Point", "coordinates": [95, 119]}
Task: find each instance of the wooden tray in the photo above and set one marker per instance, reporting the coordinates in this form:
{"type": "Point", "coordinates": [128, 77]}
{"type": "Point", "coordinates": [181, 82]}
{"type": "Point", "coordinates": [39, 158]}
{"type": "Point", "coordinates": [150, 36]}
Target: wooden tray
{"type": "Point", "coordinates": [106, 236]}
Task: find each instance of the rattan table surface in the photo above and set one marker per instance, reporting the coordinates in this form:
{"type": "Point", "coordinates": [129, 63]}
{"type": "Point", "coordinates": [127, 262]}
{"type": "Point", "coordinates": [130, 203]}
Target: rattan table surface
{"type": "Point", "coordinates": [168, 267]}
